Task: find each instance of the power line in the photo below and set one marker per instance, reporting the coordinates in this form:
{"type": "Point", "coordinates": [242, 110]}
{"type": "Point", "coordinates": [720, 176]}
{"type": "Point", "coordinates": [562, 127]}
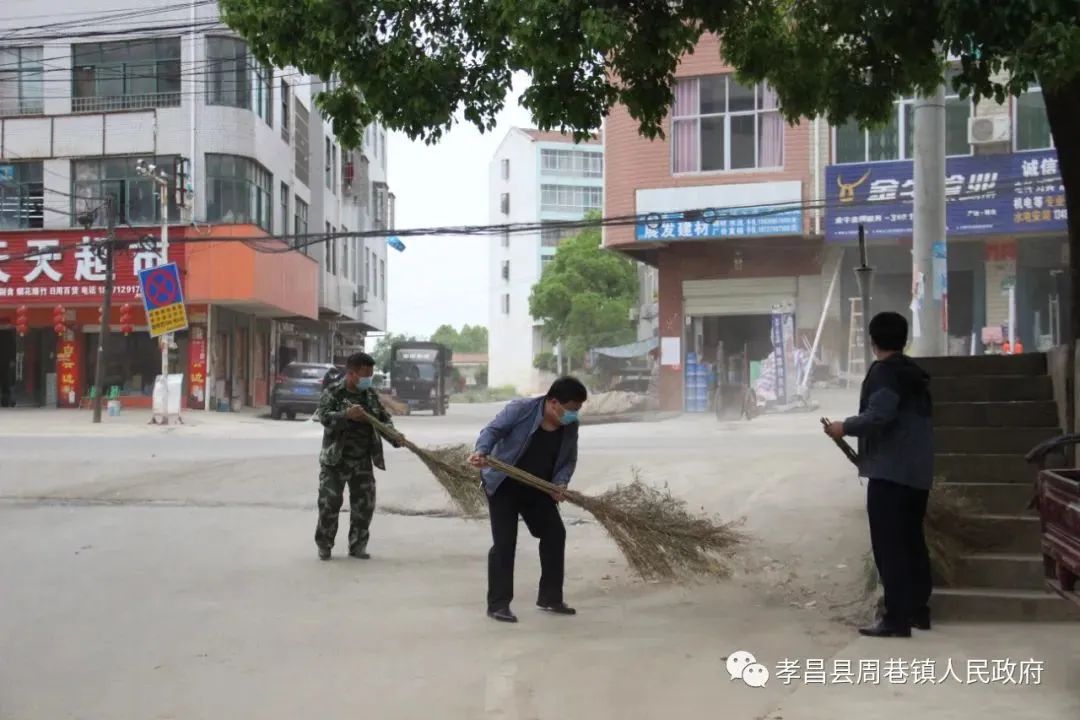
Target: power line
{"type": "Point", "coordinates": [90, 18]}
{"type": "Point", "coordinates": [185, 27]}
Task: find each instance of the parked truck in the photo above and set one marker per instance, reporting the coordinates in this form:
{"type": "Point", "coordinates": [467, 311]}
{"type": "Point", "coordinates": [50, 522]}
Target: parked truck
{"type": "Point", "coordinates": [420, 373]}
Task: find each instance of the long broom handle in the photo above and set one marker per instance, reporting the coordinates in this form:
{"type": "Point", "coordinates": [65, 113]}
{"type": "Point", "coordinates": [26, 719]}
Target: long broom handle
{"type": "Point", "coordinates": [849, 453]}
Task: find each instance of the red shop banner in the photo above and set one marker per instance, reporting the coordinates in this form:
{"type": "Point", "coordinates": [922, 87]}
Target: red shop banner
{"type": "Point", "coordinates": [50, 266]}
{"type": "Point", "coordinates": [67, 373]}
{"type": "Point", "coordinates": [197, 368]}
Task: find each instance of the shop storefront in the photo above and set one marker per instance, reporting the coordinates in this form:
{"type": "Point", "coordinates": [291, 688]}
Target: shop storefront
{"type": "Point", "coordinates": [51, 288]}
{"type": "Point", "coordinates": [1004, 258]}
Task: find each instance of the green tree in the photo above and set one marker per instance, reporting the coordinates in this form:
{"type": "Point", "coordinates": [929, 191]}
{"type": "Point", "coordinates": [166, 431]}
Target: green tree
{"type": "Point", "coordinates": [418, 66]}
{"type": "Point", "coordinates": [585, 295]}
{"type": "Point", "coordinates": [470, 339]}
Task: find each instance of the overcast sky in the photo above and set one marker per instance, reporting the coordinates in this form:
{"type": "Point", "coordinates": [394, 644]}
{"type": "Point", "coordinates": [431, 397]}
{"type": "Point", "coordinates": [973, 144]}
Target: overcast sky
{"type": "Point", "coordinates": [439, 280]}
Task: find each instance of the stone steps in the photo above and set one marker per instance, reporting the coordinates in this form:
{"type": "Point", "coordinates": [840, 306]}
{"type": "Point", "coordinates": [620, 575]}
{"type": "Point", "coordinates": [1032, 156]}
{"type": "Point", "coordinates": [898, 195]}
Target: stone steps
{"type": "Point", "coordinates": [990, 440]}
{"type": "Point", "coordinates": [1018, 571]}
{"type": "Point", "coordinates": [1032, 364]}
{"type": "Point", "coordinates": [997, 498]}
{"type": "Point", "coordinates": [973, 604]}
{"type": "Point", "coordinates": [983, 468]}
{"type": "Point", "coordinates": [1002, 388]}
{"type": "Point", "coordinates": [1011, 533]}
{"type": "Point", "coordinates": [1025, 414]}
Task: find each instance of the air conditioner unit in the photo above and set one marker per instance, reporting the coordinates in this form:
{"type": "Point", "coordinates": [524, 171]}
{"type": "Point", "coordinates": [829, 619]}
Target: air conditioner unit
{"type": "Point", "coordinates": [988, 130]}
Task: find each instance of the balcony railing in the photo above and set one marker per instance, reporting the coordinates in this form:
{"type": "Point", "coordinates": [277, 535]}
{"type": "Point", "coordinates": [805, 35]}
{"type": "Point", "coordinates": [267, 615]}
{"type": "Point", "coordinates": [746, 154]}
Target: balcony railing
{"type": "Point", "coordinates": [125, 102]}
{"type": "Point", "coordinates": [14, 108]}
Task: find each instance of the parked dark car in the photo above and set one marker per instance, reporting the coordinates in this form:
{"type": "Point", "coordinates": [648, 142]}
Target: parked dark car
{"type": "Point", "coordinates": [298, 387]}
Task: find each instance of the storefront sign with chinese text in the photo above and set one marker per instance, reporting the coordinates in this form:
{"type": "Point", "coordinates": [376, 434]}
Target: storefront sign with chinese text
{"type": "Point", "coordinates": [45, 266]}
{"type": "Point", "coordinates": [721, 223]}
{"type": "Point", "coordinates": [197, 369]}
{"type": "Point", "coordinates": [985, 194]}
{"type": "Point", "coordinates": [67, 373]}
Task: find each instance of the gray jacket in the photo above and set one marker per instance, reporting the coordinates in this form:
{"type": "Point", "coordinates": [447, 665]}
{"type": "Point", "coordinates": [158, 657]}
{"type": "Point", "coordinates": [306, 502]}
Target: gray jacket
{"type": "Point", "coordinates": [895, 424]}
{"type": "Point", "coordinates": [507, 436]}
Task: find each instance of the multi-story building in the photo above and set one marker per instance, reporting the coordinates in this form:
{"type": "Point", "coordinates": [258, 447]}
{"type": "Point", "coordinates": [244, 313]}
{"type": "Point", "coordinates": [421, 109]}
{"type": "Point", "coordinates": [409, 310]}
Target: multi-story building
{"type": "Point", "coordinates": [534, 177]}
{"type": "Point", "coordinates": [747, 218]}
{"type": "Point", "coordinates": [80, 106]}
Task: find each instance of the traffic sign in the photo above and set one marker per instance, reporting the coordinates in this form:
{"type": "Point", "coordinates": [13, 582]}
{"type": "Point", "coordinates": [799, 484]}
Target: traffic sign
{"type": "Point", "coordinates": [163, 299]}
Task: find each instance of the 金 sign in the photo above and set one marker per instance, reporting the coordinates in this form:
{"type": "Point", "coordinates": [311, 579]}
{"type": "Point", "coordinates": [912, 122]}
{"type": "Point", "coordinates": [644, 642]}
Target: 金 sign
{"type": "Point", "coordinates": [163, 299]}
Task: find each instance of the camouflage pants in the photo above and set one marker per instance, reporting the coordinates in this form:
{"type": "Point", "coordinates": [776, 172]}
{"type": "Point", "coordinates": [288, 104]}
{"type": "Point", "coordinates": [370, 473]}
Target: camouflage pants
{"type": "Point", "coordinates": [360, 479]}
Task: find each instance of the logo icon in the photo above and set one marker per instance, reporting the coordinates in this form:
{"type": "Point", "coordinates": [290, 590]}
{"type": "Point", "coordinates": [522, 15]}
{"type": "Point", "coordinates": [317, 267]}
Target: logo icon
{"type": "Point", "coordinates": [847, 190]}
{"type": "Point", "coordinates": [742, 665]}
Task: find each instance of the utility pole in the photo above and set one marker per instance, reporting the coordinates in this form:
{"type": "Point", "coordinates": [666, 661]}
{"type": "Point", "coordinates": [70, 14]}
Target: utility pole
{"type": "Point", "coordinates": [927, 304]}
{"type": "Point", "coordinates": [864, 274]}
{"type": "Point", "coordinates": [162, 181]}
{"type": "Point", "coordinates": [106, 307]}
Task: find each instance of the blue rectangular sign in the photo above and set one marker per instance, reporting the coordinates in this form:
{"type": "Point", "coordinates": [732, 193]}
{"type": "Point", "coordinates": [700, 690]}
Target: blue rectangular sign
{"type": "Point", "coordinates": [721, 223]}
{"type": "Point", "coordinates": [986, 194]}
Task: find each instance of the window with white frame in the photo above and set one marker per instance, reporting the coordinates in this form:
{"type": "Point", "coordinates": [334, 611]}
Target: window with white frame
{"type": "Point", "coordinates": [285, 193]}
{"type": "Point", "coordinates": [896, 139]}
{"type": "Point", "coordinates": [382, 278]}
{"type": "Point", "coordinates": [21, 79]}
{"type": "Point", "coordinates": [300, 223]}
{"type": "Point", "coordinates": [552, 234]}
{"type": "Point", "coordinates": [286, 110]}
{"type": "Point", "coordinates": [505, 165]}
{"type": "Point", "coordinates": [327, 171]}
{"type": "Point", "coordinates": [570, 198]}
{"type": "Point", "coordinates": [22, 196]}
{"type": "Point", "coordinates": [573, 163]}
{"type": "Point", "coordinates": [135, 196]}
{"type": "Point", "coordinates": [719, 124]}
{"type": "Point", "coordinates": [506, 270]}
{"type": "Point", "coordinates": [239, 190]}
{"type": "Point", "coordinates": [367, 267]}
{"type": "Point", "coordinates": [1032, 125]}
{"type": "Point", "coordinates": [506, 304]}
{"type": "Point", "coordinates": [236, 79]}
{"type": "Point", "coordinates": [125, 74]}
{"type": "Point", "coordinates": [345, 242]}
{"type": "Point", "coordinates": [302, 152]}
{"type": "Point", "coordinates": [505, 239]}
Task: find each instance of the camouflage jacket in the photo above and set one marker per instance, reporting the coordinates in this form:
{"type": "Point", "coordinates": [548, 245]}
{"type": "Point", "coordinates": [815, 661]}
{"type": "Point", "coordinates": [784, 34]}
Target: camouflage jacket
{"type": "Point", "coordinates": [344, 438]}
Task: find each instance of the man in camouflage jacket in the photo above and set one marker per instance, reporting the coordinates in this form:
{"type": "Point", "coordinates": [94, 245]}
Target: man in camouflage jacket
{"type": "Point", "coordinates": [351, 448]}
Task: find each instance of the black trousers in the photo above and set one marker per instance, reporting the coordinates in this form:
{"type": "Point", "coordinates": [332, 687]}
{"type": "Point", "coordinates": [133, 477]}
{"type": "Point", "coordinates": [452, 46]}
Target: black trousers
{"type": "Point", "coordinates": [896, 535]}
{"type": "Point", "coordinates": [541, 515]}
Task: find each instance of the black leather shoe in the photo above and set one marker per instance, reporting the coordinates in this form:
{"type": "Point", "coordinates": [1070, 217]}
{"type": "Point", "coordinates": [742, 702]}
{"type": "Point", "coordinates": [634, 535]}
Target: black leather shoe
{"type": "Point", "coordinates": [921, 619]}
{"type": "Point", "coordinates": [360, 554]}
{"type": "Point", "coordinates": [558, 609]}
{"type": "Point", "coordinates": [883, 630]}
{"type": "Point", "coordinates": [502, 615]}
{"type": "Point", "coordinates": [324, 553]}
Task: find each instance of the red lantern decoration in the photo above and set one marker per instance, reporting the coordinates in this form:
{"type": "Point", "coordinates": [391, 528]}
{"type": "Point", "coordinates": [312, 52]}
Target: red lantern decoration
{"type": "Point", "coordinates": [125, 319]}
{"type": "Point", "coordinates": [58, 320]}
{"type": "Point", "coordinates": [60, 328]}
{"type": "Point", "coordinates": [22, 320]}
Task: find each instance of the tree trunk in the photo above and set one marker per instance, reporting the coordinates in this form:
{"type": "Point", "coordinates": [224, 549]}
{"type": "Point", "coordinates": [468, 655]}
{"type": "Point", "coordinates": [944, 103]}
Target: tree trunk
{"type": "Point", "coordinates": [1063, 112]}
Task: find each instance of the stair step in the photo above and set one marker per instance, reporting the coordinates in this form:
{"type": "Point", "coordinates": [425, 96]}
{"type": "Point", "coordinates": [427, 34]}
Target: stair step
{"type": "Point", "coordinates": [1006, 441]}
{"type": "Point", "coordinates": [1039, 413]}
{"type": "Point", "coordinates": [1012, 571]}
{"type": "Point", "coordinates": [958, 366]}
{"type": "Point", "coordinates": [1011, 533]}
{"type": "Point", "coordinates": [983, 468]}
{"type": "Point", "coordinates": [989, 388]}
{"type": "Point", "coordinates": [997, 498]}
{"type": "Point", "coordinates": [967, 604]}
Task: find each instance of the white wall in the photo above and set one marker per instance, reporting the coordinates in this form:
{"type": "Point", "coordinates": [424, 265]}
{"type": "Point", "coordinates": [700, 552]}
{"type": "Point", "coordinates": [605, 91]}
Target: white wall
{"type": "Point", "coordinates": [510, 346]}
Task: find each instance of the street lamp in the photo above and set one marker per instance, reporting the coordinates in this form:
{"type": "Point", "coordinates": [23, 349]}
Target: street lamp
{"type": "Point", "coordinates": [150, 170]}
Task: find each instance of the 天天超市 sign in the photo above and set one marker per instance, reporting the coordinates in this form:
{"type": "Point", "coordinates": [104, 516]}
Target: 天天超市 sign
{"type": "Point", "coordinates": [986, 195]}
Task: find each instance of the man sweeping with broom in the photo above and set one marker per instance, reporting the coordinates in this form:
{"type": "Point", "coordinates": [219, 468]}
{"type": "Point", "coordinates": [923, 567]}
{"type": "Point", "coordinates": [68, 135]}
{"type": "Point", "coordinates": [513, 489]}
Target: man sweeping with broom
{"type": "Point", "coordinates": [539, 436]}
{"type": "Point", "coordinates": [896, 454]}
{"type": "Point", "coordinates": [350, 449]}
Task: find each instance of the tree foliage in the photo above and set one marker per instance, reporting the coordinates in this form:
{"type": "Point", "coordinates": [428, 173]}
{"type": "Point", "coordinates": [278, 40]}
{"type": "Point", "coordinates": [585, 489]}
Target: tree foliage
{"type": "Point", "coordinates": [470, 339]}
{"type": "Point", "coordinates": [585, 295]}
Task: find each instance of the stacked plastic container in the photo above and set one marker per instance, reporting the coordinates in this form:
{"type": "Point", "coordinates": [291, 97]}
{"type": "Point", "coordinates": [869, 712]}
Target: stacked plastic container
{"type": "Point", "coordinates": [696, 397]}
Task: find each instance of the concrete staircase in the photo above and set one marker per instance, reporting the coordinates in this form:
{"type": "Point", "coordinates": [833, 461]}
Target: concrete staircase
{"type": "Point", "coordinates": [988, 412]}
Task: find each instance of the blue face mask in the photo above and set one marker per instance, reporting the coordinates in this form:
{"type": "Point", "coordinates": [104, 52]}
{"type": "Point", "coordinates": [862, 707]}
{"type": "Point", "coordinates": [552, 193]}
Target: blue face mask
{"type": "Point", "coordinates": [363, 383]}
{"type": "Point", "coordinates": [568, 417]}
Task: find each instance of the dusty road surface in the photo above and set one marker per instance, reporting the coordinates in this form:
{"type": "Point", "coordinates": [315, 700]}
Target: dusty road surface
{"type": "Point", "coordinates": [152, 573]}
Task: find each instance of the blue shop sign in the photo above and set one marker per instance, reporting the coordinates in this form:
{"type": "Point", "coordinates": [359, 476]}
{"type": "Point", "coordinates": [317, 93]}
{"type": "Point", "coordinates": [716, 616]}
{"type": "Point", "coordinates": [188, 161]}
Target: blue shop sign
{"type": "Point", "coordinates": [987, 194]}
{"type": "Point", "coordinates": [713, 223]}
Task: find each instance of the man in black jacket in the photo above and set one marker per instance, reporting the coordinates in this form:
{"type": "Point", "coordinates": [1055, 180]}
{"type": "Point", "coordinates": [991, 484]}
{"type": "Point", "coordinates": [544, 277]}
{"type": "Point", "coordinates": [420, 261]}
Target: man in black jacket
{"type": "Point", "coordinates": [896, 452]}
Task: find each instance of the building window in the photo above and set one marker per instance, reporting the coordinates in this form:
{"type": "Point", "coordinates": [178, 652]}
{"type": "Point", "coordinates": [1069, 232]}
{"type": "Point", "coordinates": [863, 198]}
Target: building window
{"type": "Point", "coordinates": [125, 75]}
{"type": "Point", "coordinates": [718, 124]}
{"type": "Point", "coordinates": [391, 208]}
{"type": "Point", "coordinates": [327, 154]}
{"type": "Point", "coordinates": [545, 260]}
{"type": "Point", "coordinates": [382, 158]}
{"type": "Point", "coordinates": [333, 167]}
{"type": "Point", "coordinates": [576, 199]}
{"type": "Point", "coordinates": [134, 196]}
{"type": "Point", "coordinates": [263, 97]}
{"type": "Point", "coordinates": [506, 304]}
{"type": "Point", "coordinates": [380, 201]}
{"type": "Point", "coordinates": [573, 163]}
{"type": "Point", "coordinates": [505, 166]}
{"type": "Point", "coordinates": [506, 270]}
{"type": "Point", "coordinates": [367, 268]}
{"type": "Point", "coordinates": [285, 192]}
{"type": "Point", "coordinates": [345, 243]}
{"type": "Point", "coordinates": [22, 195]}
{"type": "Point", "coordinates": [552, 234]}
{"type": "Point", "coordinates": [1032, 126]}
{"type": "Point", "coordinates": [504, 203]}
{"type": "Point", "coordinates": [300, 225]}
{"type": "Point", "coordinates": [382, 278]}
{"type": "Point", "coordinates": [238, 191]}
{"type": "Point", "coordinates": [896, 139]}
{"type": "Point", "coordinates": [505, 238]}
{"type": "Point", "coordinates": [286, 111]}
{"type": "Point", "coordinates": [228, 79]}
{"type": "Point", "coordinates": [328, 250]}
{"type": "Point", "coordinates": [21, 81]}
{"type": "Point", "coordinates": [303, 148]}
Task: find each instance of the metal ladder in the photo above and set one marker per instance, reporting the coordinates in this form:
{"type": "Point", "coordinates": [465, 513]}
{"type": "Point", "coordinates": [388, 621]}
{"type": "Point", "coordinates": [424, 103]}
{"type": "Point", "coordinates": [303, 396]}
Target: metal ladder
{"type": "Point", "coordinates": [856, 356]}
